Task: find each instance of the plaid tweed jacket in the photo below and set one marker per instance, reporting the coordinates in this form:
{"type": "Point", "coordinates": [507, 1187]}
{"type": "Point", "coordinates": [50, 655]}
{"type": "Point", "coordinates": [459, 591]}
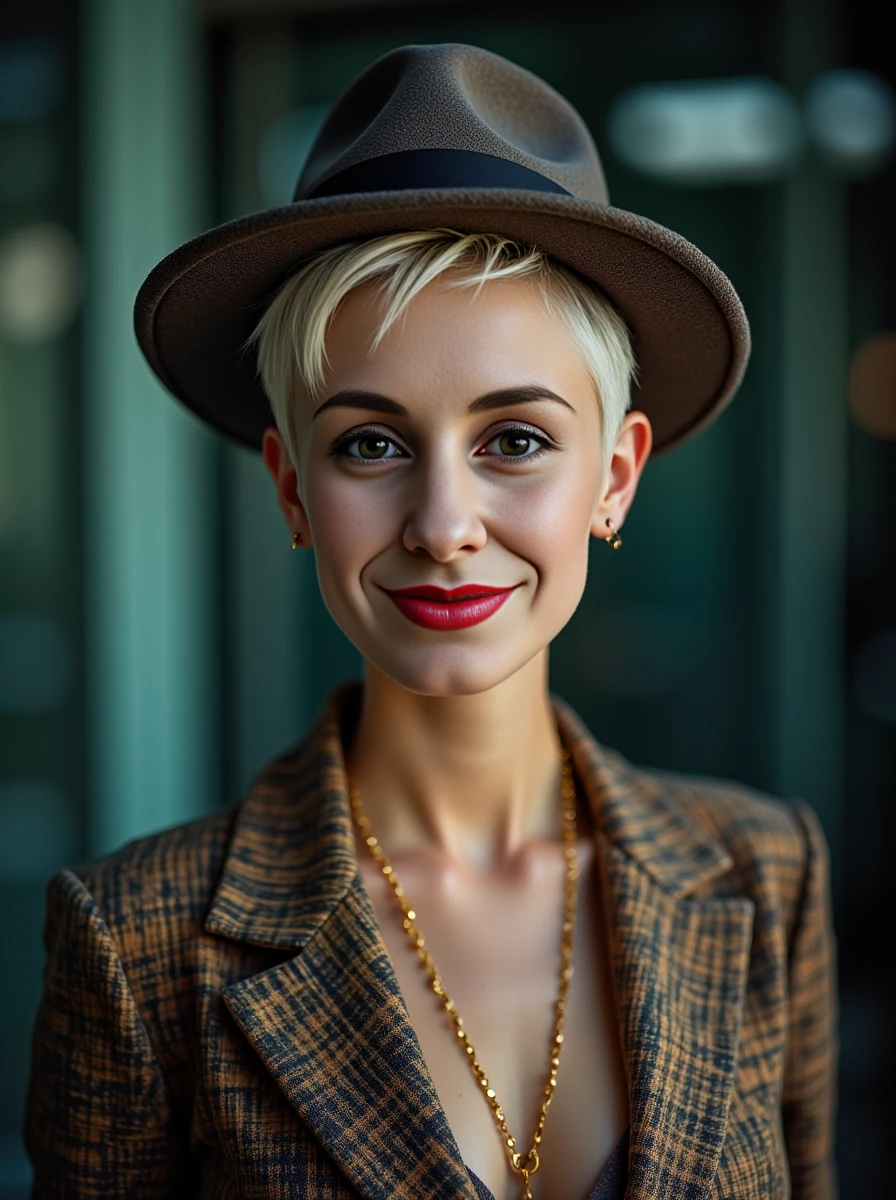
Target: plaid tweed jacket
{"type": "Point", "coordinates": [220, 1016]}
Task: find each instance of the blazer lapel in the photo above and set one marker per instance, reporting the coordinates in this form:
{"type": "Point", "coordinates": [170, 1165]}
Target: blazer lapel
{"type": "Point", "coordinates": [680, 966]}
{"type": "Point", "coordinates": [330, 1024]}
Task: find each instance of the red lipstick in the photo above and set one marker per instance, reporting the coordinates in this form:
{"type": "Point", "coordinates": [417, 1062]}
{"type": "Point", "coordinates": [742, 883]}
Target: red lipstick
{"type": "Point", "coordinates": [449, 608]}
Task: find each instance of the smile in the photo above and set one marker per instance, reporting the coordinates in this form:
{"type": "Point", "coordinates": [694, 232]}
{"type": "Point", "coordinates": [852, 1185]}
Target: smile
{"type": "Point", "coordinates": [449, 614]}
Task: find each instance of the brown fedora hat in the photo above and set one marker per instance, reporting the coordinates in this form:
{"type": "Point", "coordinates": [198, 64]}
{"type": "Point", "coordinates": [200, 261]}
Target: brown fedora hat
{"type": "Point", "coordinates": [448, 136]}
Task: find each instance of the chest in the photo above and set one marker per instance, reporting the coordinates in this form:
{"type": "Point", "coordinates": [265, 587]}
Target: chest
{"type": "Point", "coordinates": [497, 949]}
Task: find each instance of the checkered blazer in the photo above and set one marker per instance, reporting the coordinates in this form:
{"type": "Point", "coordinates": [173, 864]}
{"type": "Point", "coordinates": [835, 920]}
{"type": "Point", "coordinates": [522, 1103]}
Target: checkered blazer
{"type": "Point", "coordinates": [220, 1016]}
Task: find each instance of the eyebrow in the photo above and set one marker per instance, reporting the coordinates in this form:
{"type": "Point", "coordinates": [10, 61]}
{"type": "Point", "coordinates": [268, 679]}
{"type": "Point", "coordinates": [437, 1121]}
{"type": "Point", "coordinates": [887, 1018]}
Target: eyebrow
{"type": "Point", "coordinates": [501, 398]}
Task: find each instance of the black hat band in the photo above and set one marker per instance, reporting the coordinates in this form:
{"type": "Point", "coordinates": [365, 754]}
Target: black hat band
{"type": "Point", "coordinates": [432, 169]}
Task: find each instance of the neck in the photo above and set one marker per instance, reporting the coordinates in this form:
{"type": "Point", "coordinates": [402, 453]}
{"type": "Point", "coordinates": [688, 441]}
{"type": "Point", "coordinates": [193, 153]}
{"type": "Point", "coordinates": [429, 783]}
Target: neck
{"type": "Point", "coordinates": [473, 781]}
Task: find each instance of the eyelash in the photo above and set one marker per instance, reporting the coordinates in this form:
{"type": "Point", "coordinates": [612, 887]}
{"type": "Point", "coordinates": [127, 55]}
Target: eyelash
{"type": "Point", "coordinates": [338, 449]}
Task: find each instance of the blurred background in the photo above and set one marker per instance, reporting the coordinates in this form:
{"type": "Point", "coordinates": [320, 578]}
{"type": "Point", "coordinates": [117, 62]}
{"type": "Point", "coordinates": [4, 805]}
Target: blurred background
{"type": "Point", "coordinates": [159, 642]}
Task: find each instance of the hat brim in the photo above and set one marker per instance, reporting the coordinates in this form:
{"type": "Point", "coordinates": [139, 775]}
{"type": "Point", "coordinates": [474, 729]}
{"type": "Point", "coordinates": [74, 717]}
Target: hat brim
{"type": "Point", "coordinates": [196, 308]}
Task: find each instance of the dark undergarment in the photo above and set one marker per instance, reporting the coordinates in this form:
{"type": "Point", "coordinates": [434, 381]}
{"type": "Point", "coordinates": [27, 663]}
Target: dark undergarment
{"type": "Point", "coordinates": [611, 1182]}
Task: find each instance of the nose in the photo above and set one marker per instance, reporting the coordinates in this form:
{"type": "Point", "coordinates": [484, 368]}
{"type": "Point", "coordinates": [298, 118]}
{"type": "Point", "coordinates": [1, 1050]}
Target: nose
{"type": "Point", "coordinates": [444, 516]}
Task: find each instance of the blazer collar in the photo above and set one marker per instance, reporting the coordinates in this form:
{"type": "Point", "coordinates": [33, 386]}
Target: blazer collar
{"type": "Point", "coordinates": [330, 1023]}
{"type": "Point", "coordinates": [292, 852]}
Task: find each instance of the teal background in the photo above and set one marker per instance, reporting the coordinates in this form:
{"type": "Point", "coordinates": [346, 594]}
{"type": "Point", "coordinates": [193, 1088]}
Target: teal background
{"type": "Point", "coordinates": [171, 642]}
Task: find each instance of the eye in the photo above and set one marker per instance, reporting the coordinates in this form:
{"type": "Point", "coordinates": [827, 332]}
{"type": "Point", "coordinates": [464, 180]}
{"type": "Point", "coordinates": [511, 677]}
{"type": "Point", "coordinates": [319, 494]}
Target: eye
{"type": "Point", "coordinates": [509, 442]}
{"type": "Point", "coordinates": [371, 444]}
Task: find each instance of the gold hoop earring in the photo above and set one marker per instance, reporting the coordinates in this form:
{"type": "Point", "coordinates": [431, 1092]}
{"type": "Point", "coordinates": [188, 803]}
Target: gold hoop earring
{"type": "Point", "coordinates": [296, 538]}
{"type": "Point", "coordinates": [613, 539]}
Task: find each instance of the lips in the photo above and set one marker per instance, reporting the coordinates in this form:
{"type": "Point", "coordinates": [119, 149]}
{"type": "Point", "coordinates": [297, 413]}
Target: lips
{"type": "Point", "coordinates": [449, 608]}
{"type": "Point", "coordinates": [468, 591]}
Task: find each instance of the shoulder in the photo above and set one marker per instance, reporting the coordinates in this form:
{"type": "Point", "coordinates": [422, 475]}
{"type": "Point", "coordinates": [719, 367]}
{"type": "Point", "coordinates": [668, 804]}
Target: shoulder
{"type": "Point", "coordinates": [775, 843]}
{"type": "Point", "coordinates": [745, 820]}
{"type": "Point", "coordinates": [123, 938]}
{"type": "Point", "coordinates": [162, 879]}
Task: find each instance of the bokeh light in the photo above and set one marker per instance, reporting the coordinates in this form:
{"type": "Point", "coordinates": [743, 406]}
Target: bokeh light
{"type": "Point", "coordinates": [708, 131]}
{"type": "Point", "coordinates": [872, 385]}
{"type": "Point", "coordinates": [40, 282]}
{"type": "Point", "coordinates": [851, 116]}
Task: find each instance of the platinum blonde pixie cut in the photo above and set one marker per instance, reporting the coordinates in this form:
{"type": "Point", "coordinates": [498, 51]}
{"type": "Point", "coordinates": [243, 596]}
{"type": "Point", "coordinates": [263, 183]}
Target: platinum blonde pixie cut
{"type": "Point", "coordinates": [290, 338]}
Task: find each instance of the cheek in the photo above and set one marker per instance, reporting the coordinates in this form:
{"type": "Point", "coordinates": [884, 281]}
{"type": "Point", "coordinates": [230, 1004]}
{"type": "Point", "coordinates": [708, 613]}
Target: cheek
{"type": "Point", "coordinates": [552, 517]}
{"type": "Point", "coordinates": [550, 528]}
{"type": "Point", "coordinates": [347, 519]}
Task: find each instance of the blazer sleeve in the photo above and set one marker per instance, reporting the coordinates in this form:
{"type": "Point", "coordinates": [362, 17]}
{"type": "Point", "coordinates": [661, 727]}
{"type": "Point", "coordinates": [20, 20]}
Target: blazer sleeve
{"type": "Point", "coordinates": [810, 1076]}
{"type": "Point", "coordinates": [98, 1116]}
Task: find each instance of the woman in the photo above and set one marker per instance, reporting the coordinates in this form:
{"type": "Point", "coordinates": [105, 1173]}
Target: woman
{"type": "Point", "coordinates": [449, 945]}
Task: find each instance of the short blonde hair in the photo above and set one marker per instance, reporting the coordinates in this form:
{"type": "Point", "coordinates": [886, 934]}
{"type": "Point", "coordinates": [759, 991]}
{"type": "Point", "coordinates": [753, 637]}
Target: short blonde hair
{"type": "Point", "coordinates": [290, 337]}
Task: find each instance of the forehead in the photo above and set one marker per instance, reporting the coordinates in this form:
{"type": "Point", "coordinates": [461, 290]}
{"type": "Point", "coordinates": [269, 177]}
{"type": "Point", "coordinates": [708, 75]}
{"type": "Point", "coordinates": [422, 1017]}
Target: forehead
{"type": "Point", "coordinates": [453, 340]}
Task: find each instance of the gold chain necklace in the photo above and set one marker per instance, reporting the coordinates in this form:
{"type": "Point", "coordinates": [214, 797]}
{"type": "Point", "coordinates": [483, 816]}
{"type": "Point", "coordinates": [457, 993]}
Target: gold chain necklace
{"type": "Point", "coordinates": [525, 1165]}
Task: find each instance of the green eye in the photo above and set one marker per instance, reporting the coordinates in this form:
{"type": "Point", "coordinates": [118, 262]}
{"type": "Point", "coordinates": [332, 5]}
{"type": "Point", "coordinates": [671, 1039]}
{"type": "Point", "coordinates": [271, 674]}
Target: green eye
{"type": "Point", "coordinates": [371, 443]}
{"type": "Point", "coordinates": [372, 440]}
{"type": "Point", "coordinates": [517, 436]}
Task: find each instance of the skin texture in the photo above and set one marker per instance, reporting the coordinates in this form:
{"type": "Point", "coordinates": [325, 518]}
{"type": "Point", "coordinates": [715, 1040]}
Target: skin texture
{"type": "Point", "coordinates": [455, 753]}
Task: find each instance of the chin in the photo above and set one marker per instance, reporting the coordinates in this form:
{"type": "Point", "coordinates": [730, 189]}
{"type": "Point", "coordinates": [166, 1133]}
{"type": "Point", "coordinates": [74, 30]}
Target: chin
{"type": "Point", "coordinates": [444, 671]}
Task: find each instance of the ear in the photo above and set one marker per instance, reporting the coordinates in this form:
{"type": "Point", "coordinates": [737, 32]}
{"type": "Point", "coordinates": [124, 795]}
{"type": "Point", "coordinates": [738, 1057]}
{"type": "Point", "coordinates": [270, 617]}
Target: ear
{"type": "Point", "coordinates": [630, 456]}
{"type": "Point", "coordinates": [277, 460]}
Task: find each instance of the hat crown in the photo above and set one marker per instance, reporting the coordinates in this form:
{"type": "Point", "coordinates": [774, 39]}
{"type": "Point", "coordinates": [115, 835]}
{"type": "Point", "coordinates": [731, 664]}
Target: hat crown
{"type": "Point", "coordinates": [446, 98]}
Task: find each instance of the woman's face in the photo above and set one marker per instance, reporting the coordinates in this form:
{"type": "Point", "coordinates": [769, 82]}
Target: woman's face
{"type": "Point", "coordinates": [504, 496]}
